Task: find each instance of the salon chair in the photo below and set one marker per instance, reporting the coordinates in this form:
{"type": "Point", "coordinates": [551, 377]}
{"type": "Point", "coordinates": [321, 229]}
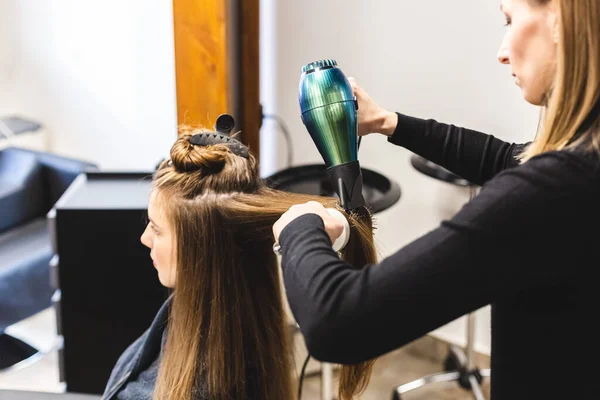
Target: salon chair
{"type": "Point", "coordinates": [459, 365]}
{"type": "Point", "coordinates": [379, 192]}
{"type": "Point", "coordinates": [30, 183]}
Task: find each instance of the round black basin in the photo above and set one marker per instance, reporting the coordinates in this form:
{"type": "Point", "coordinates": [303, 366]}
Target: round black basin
{"type": "Point", "coordinates": [379, 192]}
{"type": "Point", "coordinates": [436, 171]}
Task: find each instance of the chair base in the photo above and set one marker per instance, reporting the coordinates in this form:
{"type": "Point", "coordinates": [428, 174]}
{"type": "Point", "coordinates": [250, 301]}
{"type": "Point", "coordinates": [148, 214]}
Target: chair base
{"type": "Point", "coordinates": [432, 379]}
{"type": "Point", "coordinates": [16, 354]}
{"type": "Point", "coordinates": [457, 369]}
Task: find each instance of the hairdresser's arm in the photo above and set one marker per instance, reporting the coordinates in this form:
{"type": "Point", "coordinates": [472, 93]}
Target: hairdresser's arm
{"type": "Point", "coordinates": [349, 315]}
{"type": "Point", "coordinates": [472, 155]}
{"type": "Point", "coordinates": [475, 156]}
{"type": "Point", "coordinates": [492, 248]}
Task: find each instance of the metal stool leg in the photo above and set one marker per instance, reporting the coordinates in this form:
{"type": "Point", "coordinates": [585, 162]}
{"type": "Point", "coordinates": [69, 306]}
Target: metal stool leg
{"type": "Point", "coordinates": [476, 388]}
{"type": "Point", "coordinates": [469, 349]}
{"type": "Point", "coordinates": [473, 381]}
{"type": "Point", "coordinates": [432, 379]}
{"type": "Point", "coordinates": [326, 381]}
{"type": "Point", "coordinates": [460, 363]}
{"type": "Point", "coordinates": [460, 367]}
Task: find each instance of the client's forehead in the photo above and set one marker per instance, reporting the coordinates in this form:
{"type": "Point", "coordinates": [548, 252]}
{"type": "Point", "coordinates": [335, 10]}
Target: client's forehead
{"type": "Point", "coordinates": [156, 207]}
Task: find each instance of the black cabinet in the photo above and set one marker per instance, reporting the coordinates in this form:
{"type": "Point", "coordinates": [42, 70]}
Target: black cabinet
{"type": "Point", "coordinates": [107, 290]}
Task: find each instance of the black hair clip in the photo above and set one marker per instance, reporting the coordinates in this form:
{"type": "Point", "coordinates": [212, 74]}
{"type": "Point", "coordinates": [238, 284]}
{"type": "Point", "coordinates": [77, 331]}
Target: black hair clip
{"type": "Point", "coordinates": [223, 128]}
{"type": "Point", "coordinates": [224, 124]}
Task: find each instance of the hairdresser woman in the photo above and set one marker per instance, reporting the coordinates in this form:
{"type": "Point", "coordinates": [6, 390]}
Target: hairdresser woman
{"type": "Point", "coordinates": [527, 244]}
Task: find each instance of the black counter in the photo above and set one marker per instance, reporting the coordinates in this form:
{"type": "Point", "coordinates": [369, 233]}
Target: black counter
{"type": "Point", "coordinates": [107, 290]}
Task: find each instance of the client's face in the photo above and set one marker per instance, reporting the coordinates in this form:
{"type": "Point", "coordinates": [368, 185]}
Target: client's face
{"type": "Point", "coordinates": [158, 237]}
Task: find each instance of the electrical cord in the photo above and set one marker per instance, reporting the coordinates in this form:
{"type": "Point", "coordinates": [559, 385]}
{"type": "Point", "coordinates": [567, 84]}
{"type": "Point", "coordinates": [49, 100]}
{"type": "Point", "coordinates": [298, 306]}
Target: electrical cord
{"type": "Point", "coordinates": [302, 377]}
{"type": "Point", "coordinates": [286, 132]}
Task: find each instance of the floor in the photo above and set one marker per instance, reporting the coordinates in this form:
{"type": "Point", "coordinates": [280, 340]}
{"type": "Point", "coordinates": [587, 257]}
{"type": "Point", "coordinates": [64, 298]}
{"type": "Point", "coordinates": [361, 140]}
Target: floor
{"type": "Point", "coordinates": [39, 330]}
{"type": "Point", "coordinates": [395, 369]}
{"type": "Point", "coordinates": [421, 358]}
{"type": "Point", "coordinates": [391, 370]}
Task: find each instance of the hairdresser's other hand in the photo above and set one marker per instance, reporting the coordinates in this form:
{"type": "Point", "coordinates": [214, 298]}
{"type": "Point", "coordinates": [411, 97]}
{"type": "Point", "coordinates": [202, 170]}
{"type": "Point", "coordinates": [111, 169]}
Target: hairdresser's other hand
{"type": "Point", "coordinates": [372, 118]}
{"type": "Point", "coordinates": [333, 226]}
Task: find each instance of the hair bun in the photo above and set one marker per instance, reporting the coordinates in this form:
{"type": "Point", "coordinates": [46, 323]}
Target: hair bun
{"type": "Point", "coordinates": [187, 157]}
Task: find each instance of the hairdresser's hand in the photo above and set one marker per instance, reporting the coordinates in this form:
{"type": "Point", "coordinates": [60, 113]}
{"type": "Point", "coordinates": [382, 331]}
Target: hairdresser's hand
{"type": "Point", "coordinates": [333, 226]}
{"type": "Point", "coordinates": [372, 118]}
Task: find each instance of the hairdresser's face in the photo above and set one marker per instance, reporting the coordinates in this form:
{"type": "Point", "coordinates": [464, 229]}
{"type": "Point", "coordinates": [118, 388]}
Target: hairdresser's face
{"type": "Point", "coordinates": [158, 237]}
{"type": "Point", "coordinates": [530, 46]}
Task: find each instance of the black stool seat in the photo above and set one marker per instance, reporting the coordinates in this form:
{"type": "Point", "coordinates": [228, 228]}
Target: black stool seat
{"type": "Point", "coordinates": [436, 171]}
{"type": "Point", "coordinates": [379, 192]}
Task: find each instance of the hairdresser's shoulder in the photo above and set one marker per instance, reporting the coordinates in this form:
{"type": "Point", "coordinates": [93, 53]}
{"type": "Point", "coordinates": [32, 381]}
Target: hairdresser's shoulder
{"type": "Point", "coordinates": [549, 190]}
{"type": "Point", "coordinates": [564, 170]}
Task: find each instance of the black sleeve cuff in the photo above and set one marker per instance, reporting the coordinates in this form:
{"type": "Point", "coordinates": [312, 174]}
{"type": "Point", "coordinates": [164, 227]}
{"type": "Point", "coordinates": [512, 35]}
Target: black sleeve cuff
{"type": "Point", "coordinates": [302, 223]}
{"type": "Point", "coordinates": [406, 130]}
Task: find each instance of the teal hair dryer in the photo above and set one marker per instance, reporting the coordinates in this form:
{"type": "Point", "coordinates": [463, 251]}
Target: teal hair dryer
{"type": "Point", "coordinates": [329, 113]}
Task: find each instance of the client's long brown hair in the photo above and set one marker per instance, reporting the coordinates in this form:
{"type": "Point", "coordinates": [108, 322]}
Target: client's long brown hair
{"type": "Point", "coordinates": [227, 336]}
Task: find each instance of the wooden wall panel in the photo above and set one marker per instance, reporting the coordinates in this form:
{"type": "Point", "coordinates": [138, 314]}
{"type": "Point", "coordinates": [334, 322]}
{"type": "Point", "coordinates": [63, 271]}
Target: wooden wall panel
{"type": "Point", "coordinates": [201, 65]}
{"type": "Point", "coordinates": [250, 74]}
{"type": "Point", "coordinates": [217, 64]}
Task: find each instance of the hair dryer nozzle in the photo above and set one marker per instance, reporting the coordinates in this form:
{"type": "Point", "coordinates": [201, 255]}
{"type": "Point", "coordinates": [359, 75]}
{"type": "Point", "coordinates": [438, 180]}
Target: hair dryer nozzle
{"type": "Point", "coordinates": [347, 183]}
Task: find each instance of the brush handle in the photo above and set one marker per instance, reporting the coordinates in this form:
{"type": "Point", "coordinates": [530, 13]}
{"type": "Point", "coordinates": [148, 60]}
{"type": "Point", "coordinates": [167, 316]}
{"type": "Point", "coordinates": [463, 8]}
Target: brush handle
{"type": "Point", "coordinates": [342, 240]}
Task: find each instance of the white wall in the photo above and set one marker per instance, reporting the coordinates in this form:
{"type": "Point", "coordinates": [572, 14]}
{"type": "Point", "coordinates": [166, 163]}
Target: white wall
{"type": "Point", "coordinates": [7, 54]}
{"type": "Point", "coordinates": [269, 135]}
{"type": "Point", "coordinates": [99, 76]}
{"type": "Point", "coordinates": [428, 58]}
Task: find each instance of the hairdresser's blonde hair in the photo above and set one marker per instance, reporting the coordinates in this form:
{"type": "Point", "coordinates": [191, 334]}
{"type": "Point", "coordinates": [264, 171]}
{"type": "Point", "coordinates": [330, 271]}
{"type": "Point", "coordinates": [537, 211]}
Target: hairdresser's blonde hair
{"type": "Point", "coordinates": [576, 87]}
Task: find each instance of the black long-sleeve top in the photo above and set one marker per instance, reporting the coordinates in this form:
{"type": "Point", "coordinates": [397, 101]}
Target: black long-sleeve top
{"type": "Point", "coordinates": [527, 244]}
